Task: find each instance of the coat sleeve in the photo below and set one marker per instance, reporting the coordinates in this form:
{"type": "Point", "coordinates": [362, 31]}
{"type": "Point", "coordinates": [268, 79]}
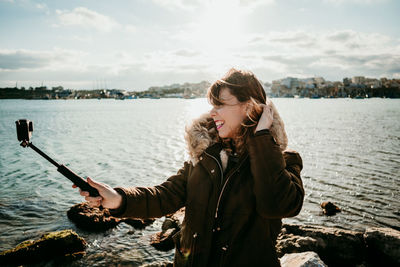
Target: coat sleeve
{"type": "Point", "coordinates": [277, 184]}
{"type": "Point", "coordinates": [156, 201]}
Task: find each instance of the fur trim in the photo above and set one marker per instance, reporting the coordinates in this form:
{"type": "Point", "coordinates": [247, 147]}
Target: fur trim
{"type": "Point", "coordinates": [277, 129]}
{"type": "Point", "coordinates": [201, 133]}
{"type": "Point", "coordinates": [224, 159]}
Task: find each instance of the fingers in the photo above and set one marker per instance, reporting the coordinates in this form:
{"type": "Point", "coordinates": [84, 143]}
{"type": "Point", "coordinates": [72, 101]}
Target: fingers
{"type": "Point", "coordinates": [84, 193]}
{"type": "Point", "coordinates": [95, 184]}
{"type": "Point", "coordinates": [94, 201]}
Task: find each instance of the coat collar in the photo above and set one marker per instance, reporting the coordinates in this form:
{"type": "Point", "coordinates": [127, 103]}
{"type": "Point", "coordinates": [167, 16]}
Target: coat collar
{"type": "Point", "coordinates": [200, 135]}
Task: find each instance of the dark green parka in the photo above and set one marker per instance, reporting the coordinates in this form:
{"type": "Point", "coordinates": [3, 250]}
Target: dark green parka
{"type": "Point", "coordinates": [231, 219]}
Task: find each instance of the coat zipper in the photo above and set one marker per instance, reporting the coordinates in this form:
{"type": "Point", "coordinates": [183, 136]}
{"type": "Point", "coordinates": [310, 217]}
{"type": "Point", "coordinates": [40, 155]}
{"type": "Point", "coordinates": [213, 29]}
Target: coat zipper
{"type": "Point", "coordinates": [226, 182]}
{"type": "Point", "coordinates": [219, 165]}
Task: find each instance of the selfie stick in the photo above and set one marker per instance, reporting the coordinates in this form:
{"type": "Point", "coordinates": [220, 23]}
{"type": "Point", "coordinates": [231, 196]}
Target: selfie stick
{"type": "Point", "coordinates": [64, 170]}
{"type": "Point", "coordinates": [75, 178]}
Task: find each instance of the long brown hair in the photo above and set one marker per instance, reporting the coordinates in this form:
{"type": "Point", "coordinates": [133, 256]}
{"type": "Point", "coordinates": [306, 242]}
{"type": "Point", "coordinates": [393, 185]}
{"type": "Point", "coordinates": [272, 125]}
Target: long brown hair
{"type": "Point", "coordinates": [246, 88]}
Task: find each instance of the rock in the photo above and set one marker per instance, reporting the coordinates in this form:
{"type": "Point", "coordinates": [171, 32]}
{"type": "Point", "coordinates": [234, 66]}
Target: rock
{"type": "Point", "coordinates": [90, 218]}
{"type": "Point", "coordinates": [95, 219]}
{"type": "Point", "coordinates": [59, 245]}
{"type": "Point", "coordinates": [294, 244]}
{"type": "Point", "coordinates": [304, 259]}
{"type": "Point", "coordinates": [138, 223]}
{"type": "Point", "coordinates": [171, 225]}
{"type": "Point", "coordinates": [383, 246]}
{"type": "Point", "coordinates": [329, 208]}
{"type": "Point", "coordinates": [160, 264]}
{"type": "Point", "coordinates": [336, 247]}
{"type": "Point", "coordinates": [163, 240]}
{"type": "Point", "coordinates": [177, 217]}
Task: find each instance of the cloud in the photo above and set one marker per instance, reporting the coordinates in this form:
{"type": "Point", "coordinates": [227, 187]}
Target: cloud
{"type": "Point", "coordinates": [34, 60]}
{"type": "Point", "coordinates": [181, 60]}
{"type": "Point", "coordinates": [82, 16]}
{"type": "Point", "coordinates": [340, 36]}
{"type": "Point", "coordinates": [186, 53]}
{"type": "Point", "coordinates": [194, 5]}
{"type": "Point", "coordinates": [130, 28]}
{"type": "Point", "coordinates": [331, 54]}
{"type": "Point", "coordinates": [19, 59]}
{"type": "Point", "coordinates": [335, 55]}
{"type": "Point", "coordinates": [181, 4]}
{"type": "Point", "coordinates": [362, 2]}
{"type": "Point", "coordinates": [44, 7]}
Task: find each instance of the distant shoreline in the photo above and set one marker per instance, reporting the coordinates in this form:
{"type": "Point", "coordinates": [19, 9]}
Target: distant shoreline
{"type": "Point", "coordinates": [272, 97]}
{"type": "Point", "coordinates": [42, 93]}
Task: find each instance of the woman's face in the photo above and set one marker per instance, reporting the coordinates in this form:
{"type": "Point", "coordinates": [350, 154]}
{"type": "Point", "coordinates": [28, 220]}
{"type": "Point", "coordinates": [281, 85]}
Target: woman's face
{"type": "Point", "coordinates": [228, 116]}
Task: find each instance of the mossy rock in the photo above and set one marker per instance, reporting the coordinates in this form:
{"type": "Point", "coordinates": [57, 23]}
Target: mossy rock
{"type": "Point", "coordinates": [64, 244]}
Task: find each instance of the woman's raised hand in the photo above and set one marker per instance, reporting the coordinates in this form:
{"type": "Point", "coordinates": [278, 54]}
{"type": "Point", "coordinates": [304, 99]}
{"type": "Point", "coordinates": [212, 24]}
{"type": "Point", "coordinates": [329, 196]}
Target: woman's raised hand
{"type": "Point", "coordinates": [266, 118]}
{"type": "Point", "coordinates": [109, 198]}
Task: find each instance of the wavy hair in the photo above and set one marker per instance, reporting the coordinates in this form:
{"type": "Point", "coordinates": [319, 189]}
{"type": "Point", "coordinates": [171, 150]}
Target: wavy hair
{"type": "Point", "coordinates": [247, 88]}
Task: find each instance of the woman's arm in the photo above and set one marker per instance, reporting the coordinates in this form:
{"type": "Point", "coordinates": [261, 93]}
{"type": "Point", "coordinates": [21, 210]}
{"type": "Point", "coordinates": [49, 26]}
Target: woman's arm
{"type": "Point", "coordinates": [156, 201]}
{"type": "Point", "coordinates": [277, 184]}
{"type": "Point", "coordinates": [142, 202]}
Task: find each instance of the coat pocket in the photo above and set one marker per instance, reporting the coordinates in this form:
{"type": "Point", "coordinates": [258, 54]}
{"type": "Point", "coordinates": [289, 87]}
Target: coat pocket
{"type": "Point", "coordinates": [184, 256]}
{"type": "Point", "coordinates": [180, 259]}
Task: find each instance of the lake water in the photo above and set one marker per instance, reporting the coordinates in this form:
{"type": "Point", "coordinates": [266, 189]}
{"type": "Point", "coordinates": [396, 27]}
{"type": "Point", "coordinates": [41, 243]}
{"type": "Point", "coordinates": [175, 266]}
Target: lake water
{"type": "Point", "coordinates": [350, 150]}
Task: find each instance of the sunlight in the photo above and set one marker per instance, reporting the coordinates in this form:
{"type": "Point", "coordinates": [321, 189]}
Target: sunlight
{"type": "Point", "coordinates": [220, 28]}
{"type": "Point", "coordinates": [196, 107]}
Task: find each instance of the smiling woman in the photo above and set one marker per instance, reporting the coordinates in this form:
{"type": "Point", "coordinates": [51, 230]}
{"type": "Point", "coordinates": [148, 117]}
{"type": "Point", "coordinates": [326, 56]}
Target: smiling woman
{"type": "Point", "coordinates": [239, 183]}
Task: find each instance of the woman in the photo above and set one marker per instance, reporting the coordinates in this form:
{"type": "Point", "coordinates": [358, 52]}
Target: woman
{"type": "Point", "coordinates": [239, 183]}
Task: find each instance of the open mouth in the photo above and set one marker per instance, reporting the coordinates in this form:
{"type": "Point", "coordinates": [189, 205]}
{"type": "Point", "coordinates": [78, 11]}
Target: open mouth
{"type": "Point", "coordinates": [219, 124]}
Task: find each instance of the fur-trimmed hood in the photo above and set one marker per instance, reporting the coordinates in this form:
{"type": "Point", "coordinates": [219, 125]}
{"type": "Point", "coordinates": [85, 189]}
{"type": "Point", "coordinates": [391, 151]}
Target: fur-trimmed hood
{"type": "Point", "coordinates": [201, 133]}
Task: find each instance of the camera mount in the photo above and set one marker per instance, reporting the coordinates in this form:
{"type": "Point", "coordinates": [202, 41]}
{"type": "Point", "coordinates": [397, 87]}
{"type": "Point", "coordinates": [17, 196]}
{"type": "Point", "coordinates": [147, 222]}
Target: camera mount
{"type": "Point", "coordinates": [24, 134]}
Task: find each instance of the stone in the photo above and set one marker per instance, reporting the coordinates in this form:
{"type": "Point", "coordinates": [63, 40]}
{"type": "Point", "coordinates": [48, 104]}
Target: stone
{"type": "Point", "coordinates": [61, 245]}
{"type": "Point", "coordinates": [329, 208]}
{"type": "Point", "coordinates": [335, 246]}
{"type": "Point", "coordinates": [172, 224]}
{"type": "Point", "coordinates": [159, 264]}
{"type": "Point", "coordinates": [91, 218]}
{"type": "Point", "coordinates": [177, 217]}
{"type": "Point", "coordinates": [383, 246]}
{"type": "Point", "coordinates": [169, 224]}
{"type": "Point", "coordinates": [95, 219]}
{"type": "Point", "coordinates": [163, 240]}
{"type": "Point", "coordinates": [290, 243]}
{"type": "Point", "coordinates": [137, 223]}
{"type": "Point", "coordinates": [304, 259]}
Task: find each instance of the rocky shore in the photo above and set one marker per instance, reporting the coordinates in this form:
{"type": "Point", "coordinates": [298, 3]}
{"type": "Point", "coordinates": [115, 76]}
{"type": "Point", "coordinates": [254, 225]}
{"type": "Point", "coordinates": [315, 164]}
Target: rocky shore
{"type": "Point", "coordinates": [58, 246]}
{"type": "Point", "coordinates": [301, 245]}
{"type": "Point", "coordinates": [297, 245]}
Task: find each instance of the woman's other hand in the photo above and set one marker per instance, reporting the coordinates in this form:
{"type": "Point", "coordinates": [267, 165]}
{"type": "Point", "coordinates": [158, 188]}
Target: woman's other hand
{"type": "Point", "coordinates": [266, 118]}
{"type": "Point", "coordinates": [109, 198]}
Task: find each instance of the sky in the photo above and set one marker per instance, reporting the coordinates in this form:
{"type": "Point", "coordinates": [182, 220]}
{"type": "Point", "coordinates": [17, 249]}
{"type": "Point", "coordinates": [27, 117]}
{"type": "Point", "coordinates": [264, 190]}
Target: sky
{"type": "Point", "coordinates": [135, 44]}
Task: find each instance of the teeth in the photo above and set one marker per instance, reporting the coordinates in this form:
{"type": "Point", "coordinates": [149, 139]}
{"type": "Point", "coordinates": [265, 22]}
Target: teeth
{"type": "Point", "coordinates": [219, 124]}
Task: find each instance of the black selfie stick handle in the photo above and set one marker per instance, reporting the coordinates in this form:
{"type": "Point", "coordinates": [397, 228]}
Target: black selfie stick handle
{"type": "Point", "coordinates": [78, 181]}
{"type": "Point", "coordinates": [75, 178]}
